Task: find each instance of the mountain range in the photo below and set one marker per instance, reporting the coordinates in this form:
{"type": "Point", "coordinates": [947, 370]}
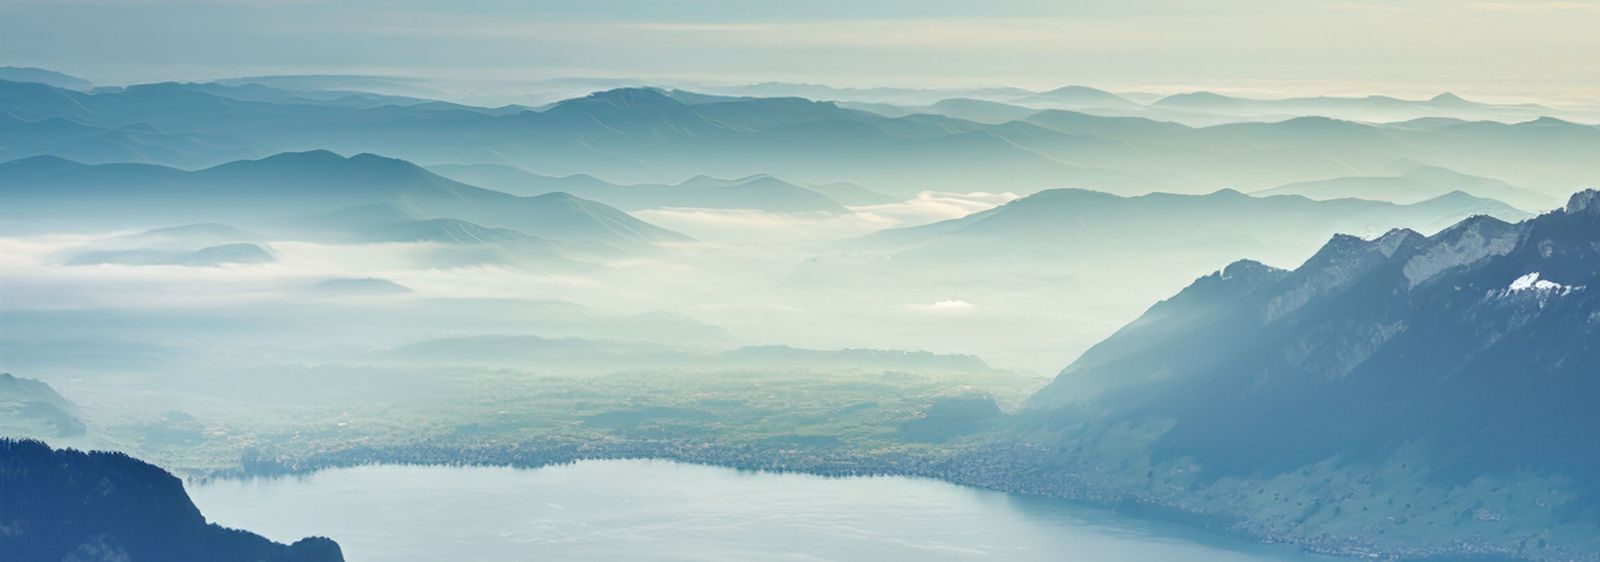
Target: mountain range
{"type": "Point", "coordinates": [1365, 108]}
{"type": "Point", "coordinates": [137, 143]}
{"type": "Point", "coordinates": [631, 134]}
{"type": "Point", "coordinates": [1410, 182]}
{"type": "Point", "coordinates": [1407, 392]}
{"type": "Point", "coordinates": [1093, 229]}
{"type": "Point", "coordinates": [1542, 154]}
{"type": "Point", "coordinates": [1201, 108]}
{"type": "Point", "coordinates": [294, 185]}
{"type": "Point", "coordinates": [758, 192]}
{"type": "Point", "coordinates": [1405, 366]}
{"type": "Point", "coordinates": [1015, 268]}
{"type": "Point", "coordinates": [1207, 106]}
{"type": "Point", "coordinates": [43, 76]}
{"type": "Point", "coordinates": [650, 135]}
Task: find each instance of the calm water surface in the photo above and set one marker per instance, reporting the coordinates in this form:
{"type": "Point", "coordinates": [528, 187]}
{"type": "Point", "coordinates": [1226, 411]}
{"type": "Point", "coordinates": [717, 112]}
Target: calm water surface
{"type": "Point", "coordinates": [643, 510]}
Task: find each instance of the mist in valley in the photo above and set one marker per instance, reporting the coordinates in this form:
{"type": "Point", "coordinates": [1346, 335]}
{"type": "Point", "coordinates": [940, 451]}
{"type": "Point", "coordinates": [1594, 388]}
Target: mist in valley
{"type": "Point", "coordinates": [1350, 324]}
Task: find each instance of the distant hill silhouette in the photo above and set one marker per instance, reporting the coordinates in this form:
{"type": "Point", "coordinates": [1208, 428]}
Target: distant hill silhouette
{"type": "Point", "coordinates": [1409, 182]}
{"type": "Point", "coordinates": [1087, 226]}
{"type": "Point", "coordinates": [243, 253]}
{"type": "Point", "coordinates": [652, 136]}
{"type": "Point", "coordinates": [292, 185]}
{"type": "Point", "coordinates": [1079, 97]}
{"type": "Point", "coordinates": [42, 76]}
{"type": "Point", "coordinates": [1374, 107]}
{"type": "Point", "coordinates": [758, 192]}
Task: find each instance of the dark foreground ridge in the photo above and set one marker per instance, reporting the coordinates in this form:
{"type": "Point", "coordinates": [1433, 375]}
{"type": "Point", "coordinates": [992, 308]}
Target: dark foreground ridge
{"type": "Point", "coordinates": [70, 505]}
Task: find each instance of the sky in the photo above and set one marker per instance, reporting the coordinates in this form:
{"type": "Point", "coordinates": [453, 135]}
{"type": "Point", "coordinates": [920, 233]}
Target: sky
{"type": "Point", "coordinates": [1505, 50]}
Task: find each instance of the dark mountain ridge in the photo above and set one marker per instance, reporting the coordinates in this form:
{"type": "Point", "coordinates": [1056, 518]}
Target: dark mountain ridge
{"type": "Point", "coordinates": [1460, 363]}
{"type": "Point", "coordinates": [70, 505]}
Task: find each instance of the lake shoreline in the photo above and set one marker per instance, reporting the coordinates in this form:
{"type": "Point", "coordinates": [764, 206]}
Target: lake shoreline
{"type": "Point", "coordinates": [582, 510]}
{"type": "Point", "coordinates": [964, 468]}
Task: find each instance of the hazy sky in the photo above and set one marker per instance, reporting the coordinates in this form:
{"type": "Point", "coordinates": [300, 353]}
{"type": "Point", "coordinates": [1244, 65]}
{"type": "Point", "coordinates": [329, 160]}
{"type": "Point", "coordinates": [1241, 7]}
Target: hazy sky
{"type": "Point", "coordinates": [1508, 49]}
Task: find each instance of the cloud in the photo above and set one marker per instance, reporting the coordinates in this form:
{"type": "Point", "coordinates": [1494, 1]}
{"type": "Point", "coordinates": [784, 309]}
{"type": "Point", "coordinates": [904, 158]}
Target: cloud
{"type": "Point", "coordinates": [946, 306]}
{"type": "Point", "coordinates": [932, 206]}
{"type": "Point", "coordinates": [747, 226]}
{"type": "Point", "coordinates": [34, 274]}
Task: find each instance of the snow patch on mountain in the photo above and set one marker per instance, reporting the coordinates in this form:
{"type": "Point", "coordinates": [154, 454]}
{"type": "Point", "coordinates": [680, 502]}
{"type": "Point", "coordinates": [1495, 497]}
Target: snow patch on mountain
{"type": "Point", "coordinates": [1532, 283]}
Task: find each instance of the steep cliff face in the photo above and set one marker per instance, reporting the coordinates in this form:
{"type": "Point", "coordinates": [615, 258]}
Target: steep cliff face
{"type": "Point", "coordinates": [1468, 358]}
{"type": "Point", "coordinates": [69, 505]}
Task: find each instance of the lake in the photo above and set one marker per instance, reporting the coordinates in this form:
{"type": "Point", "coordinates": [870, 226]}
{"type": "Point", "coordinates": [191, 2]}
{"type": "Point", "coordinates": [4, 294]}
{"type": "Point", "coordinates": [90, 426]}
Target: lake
{"type": "Point", "coordinates": [649, 510]}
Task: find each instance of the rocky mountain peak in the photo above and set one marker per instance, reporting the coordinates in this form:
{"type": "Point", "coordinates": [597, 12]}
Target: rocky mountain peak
{"type": "Point", "coordinates": [1586, 202]}
{"type": "Point", "coordinates": [1248, 269]}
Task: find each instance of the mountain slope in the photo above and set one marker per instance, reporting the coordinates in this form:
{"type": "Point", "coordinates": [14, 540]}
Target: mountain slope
{"type": "Point", "coordinates": [74, 140]}
{"type": "Point", "coordinates": [69, 505]}
{"type": "Point", "coordinates": [30, 408]}
{"type": "Point", "coordinates": [42, 76]}
{"type": "Point", "coordinates": [1444, 382]}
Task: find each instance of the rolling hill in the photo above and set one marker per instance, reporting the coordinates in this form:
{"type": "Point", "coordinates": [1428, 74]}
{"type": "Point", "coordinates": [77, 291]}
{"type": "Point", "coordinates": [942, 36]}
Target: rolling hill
{"type": "Point", "coordinates": [1365, 108]}
{"type": "Point", "coordinates": [1409, 182]}
{"type": "Point", "coordinates": [42, 76]}
{"type": "Point", "coordinates": [293, 185]}
{"type": "Point", "coordinates": [759, 192]}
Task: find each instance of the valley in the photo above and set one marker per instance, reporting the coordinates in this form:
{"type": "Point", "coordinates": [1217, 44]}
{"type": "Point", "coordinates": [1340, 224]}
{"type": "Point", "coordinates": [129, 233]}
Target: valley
{"type": "Point", "coordinates": [1352, 327]}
